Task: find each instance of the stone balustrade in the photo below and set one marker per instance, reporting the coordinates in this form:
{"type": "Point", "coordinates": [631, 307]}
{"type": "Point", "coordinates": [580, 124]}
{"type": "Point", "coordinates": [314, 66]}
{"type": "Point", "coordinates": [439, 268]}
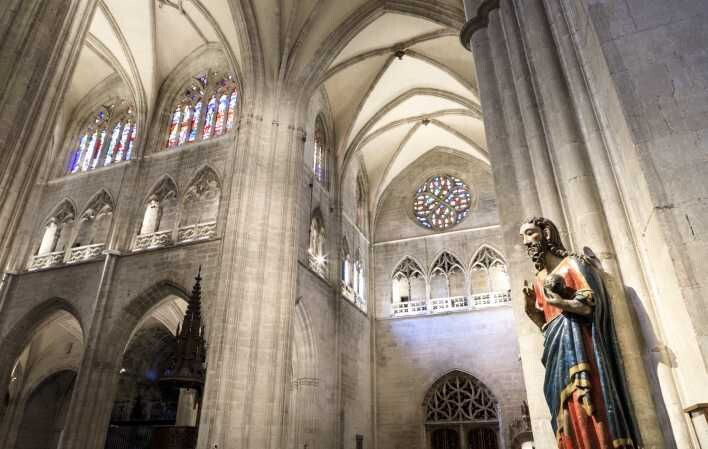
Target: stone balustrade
{"type": "Point", "coordinates": [201, 231]}
{"type": "Point", "coordinates": [81, 253]}
{"type": "Point", "coordinates": [158, 239]}
{"type": "Point", "coordinates": [46, 260]}
{"type": "Point", "coordinates": [451, 304]}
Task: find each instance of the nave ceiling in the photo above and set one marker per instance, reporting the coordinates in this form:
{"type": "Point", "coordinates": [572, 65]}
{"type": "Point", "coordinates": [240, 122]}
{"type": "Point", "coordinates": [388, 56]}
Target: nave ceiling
{"type": "Point", "coordinates": [397, 79]}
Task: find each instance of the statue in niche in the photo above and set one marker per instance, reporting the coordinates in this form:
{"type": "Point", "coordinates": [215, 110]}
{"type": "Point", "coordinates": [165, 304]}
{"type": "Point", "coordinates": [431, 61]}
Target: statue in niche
{"type": "Point", "coordinates": [569, 300]}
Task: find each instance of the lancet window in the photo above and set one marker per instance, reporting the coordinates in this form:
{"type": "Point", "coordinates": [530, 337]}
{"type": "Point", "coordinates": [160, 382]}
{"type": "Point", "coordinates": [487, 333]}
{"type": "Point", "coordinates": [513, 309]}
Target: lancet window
{"type": "Point", "coordinates": [57, 230]}
{"type": "Point", "coordinates": [107, 138]}
{"type": "Point", "coordinates": [93, 227]}
{"type": "Point", "coordinates": [200, 207]}
{"type": "Point", "coordinates": [159, 217]}
{"type": "Point", "coordinates": [447, 277]}
{"type": "Point", "coordinates": [361, 206]}
{"type": "Point", "coordinates": [206, 108]}
{"type": "Point", "coordinates": [316, 250]}
{"type": "Point", "coordinates": [346, 275]}
{"type": "Point", "coordinates": [408, 282]}
{"type": "Point", "coordinates": [321, 152]}
{"type": "Point", "coordinates": [56, 235]}
{"type": "Point", "coordinates": [358, 272]}
{"type": "Point", "coordinates": [488, 271]}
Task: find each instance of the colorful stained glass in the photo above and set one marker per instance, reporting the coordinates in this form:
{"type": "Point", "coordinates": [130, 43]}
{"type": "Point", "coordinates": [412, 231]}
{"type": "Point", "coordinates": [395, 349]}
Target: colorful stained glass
{"type": "Point", "coordinates": [232, 110]}
{"type": "Point", "coordinates": [76, 159]}
{"type": "Point", "coordinates": [120, 152]}
{"type": "Point", "coordinates": [174, 129]}
{"type": "Point", "coordinates": [441, 202]}
{"type": "Point", "coordinates": [221, 115]}
{"type": "Point", "coordinates": [186, 122]}
{"type": "Point", "coordinates": [195, 122]}
{"type": "Point", "coordinates": [112, 145]}
{"type": "Point", "coordinates": [88, 156]}
{"type": "Point", "coordinates": [133, 133]}
{"type": "Point", "coordinates": [99, 148]}
{"type": "Point", "coordinates": [209, 119]}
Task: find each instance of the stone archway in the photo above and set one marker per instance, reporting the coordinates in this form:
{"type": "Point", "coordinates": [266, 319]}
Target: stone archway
{"type": "Point", "coordinates": [461, 413]}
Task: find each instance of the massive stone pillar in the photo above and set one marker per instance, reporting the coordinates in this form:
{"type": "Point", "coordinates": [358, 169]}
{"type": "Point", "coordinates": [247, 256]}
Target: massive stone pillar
{"type": "Point", "coordinates": [39, 44]}
{"type": "Point", "coordinates": [558, 139]}
{"type": "Point", "coordinates": [92, 399]}
{"type": "Point", "coordinates": [246, 390]}
{"type": "Point", "coordinates": [516, 194]}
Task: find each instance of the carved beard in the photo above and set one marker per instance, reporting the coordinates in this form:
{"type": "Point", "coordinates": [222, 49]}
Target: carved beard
{"type": "Point", "coordinates": [537, 251]}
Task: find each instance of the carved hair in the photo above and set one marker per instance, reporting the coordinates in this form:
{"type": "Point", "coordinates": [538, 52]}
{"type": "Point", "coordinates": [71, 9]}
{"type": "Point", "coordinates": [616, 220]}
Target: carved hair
{"type": "Point", "coordinates": [551, 236]}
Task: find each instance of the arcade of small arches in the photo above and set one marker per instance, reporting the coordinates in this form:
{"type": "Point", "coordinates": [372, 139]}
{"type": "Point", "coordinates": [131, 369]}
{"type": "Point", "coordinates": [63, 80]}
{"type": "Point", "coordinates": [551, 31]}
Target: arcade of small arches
{"type": "Point", "coordinates": [449, 285]}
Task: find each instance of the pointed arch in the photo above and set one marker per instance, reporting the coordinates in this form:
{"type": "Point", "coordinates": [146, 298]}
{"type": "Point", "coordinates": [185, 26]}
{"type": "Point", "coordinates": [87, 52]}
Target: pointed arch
{"type": "Point", "coordinates": [447, 277]}
{"type": "Point", "coordinates": [199, 209]}
{"type": "Point", "coordinates": [321, 151]}
{"type": "Point", "coordinates": [94, 222]}
{"type": "Point", "coordinates": [408, 284]}
{"type": "Point", "coordinates": [346, 274]}
{"type": "Point", "coordinates": [55, 235]}
{"type": "Point", "coordinates": [161, 208]}
{"type": "Point", "coordinates": [488, 271]}
{"type": "Point", "coordinates": [15, 341]}
{"type": "Point", "coordinates": [460, 397]}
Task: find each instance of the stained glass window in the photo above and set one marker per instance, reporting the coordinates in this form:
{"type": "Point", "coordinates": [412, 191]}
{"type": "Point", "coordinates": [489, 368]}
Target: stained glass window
{"type": "Point", "coordinates": [214, 91]}
{"type": "Point", "coordinates": [441, 202]}
{"type": "Point", "coordinates": [102, 140]}
{"type": "Point", "coordinates": [320, 152]}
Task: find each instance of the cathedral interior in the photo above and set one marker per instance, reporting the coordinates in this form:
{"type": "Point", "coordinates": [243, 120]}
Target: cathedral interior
{"type": "Point", "coordinates": [294, 224]}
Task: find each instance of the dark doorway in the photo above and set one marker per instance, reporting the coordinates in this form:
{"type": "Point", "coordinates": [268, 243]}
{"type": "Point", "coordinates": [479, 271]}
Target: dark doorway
{"type": "Point", "coordinates": [483, 438]}
{"type": "Point", "coordinates": [446, 439]}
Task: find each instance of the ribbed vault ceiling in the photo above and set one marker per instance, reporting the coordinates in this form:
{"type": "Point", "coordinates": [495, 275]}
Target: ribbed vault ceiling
{"type": "Point", "coordinates": [401, 87]}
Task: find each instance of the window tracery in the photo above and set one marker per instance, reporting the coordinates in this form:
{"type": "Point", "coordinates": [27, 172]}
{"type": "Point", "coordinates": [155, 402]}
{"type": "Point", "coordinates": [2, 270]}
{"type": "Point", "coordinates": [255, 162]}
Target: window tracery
{"type": "Point", "coordinates": [358, 272]}
{"type": "Point", "coordinates": [200, 207]}
{"type": "Point", "coordinates": [488, 271]}
{"type": "Point", "coordinates": [441, 202]}
{"type": "Point", "coordinates": [408, 282]}
{"type": "Point", "coordinates": [321, 152]}
{"type": "Point", "coordinates": [55, 237]}
{"type": "Point", "coordinates": [459, 397]}
{"type": "Point", "coordinates": [316, 249]}
{"type": "Point", "coordinates": [93, 228]}
{"type": "Point", "coordinates": [107, 138]}
{"type": "Point", "coordinates": [447, 277]}
{"type": "Point", "coordinates": [159, 216]}
{"type": "Point", "coordinates": [214, 93]}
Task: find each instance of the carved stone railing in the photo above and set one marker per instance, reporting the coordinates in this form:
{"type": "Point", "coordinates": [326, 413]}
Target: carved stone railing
{"type": "Point", "coordinates": [201, 231]}
{"type": "Point", "coordinates": [87, 252]}
{"type": "Point", "coordinates": [410, 308]}
{"type": "Point", "coordinates": [451, 304]}
{"type": "Point", "coordinates": [158, 239]}
{"type": "Point", "coordinates": [46, 260]}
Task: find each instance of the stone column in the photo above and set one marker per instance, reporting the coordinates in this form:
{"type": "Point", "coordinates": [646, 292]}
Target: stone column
{"type": "Point", "coordinates": [249, 350]}
{"type": "Point", "coordinates": [656, 354]}
{"type": "Point", "coordinates": [92, 399]}
{"type": "Point", "coordinates": [516, 194]}
{"type": "Point", "coordinates": [39, 42]}
{"type": "Point", "coordinates": [569, 154]}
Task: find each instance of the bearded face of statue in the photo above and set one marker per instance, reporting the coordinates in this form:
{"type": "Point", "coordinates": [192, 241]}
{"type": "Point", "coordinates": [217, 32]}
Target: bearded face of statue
{"type": "Point", "coordinates": [536, 245]}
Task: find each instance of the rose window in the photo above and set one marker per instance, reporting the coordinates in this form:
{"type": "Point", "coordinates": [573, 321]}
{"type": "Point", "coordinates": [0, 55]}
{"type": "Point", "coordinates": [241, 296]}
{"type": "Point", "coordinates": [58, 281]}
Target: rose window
{"type": "Point", "coordinates": [441, 202]}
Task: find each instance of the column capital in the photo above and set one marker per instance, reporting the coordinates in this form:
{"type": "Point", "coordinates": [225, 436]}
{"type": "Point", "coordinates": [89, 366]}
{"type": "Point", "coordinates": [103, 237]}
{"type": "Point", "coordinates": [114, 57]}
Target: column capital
{"type": "Point", "coordinates": [479, 21]}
